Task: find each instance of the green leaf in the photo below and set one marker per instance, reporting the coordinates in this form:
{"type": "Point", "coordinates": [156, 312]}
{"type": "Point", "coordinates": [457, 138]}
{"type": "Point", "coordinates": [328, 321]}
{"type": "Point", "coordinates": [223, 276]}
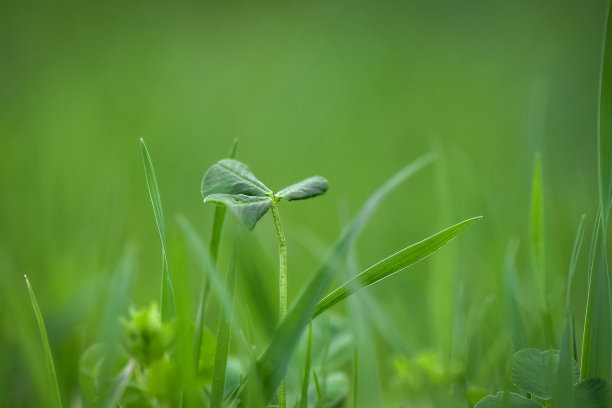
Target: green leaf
{"type": "Point", "coordinates": [310, 187]}
{"type": "Point", "coordinates": [536, 371]}
{"type": "Point", "coordinates": [55, 399]}
{"type": "Point", "coordinates": [506, 400]}
{"type": "Point", "coordinates": [247, 209]}
{"type": "Point", "coordinates": [393, 264]}
{"type": "Point", "coordinates": [229, 176]}
{"type": "Point", "coordinates": [593, 393]}
{"type": "Point", "coordinates": [167, 294]}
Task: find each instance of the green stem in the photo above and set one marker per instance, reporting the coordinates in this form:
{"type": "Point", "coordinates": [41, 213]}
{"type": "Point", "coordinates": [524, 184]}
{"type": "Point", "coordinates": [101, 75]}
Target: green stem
{"type": "Point", "coordinates": [282, 287]}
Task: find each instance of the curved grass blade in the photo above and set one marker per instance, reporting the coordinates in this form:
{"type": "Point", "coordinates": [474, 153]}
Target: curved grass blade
{"type": "Point", "coordinates": [270, 368]}
{"type": "Point", "coordinates": [55, 398]}
{"type": "Point", "coordinates": [563, 393]}
{"type": "Point", "coordinates": [167, 294]}
{"type": "Point", "coordinates": [223, 337]}
{"type": "Point", "coordinates": [596, 352]}
{"type": "Point", "coordinates": [393, 264]}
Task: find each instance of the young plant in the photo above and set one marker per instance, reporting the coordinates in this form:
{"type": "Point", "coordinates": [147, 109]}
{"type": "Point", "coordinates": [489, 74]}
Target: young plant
{"type": "Point", "coordinates": [230, 183]}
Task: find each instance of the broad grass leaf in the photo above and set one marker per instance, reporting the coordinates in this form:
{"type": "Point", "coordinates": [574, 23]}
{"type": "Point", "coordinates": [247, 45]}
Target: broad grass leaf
{"type": "Point", "coordinates": [506, 400]}
{"type": "Point", "coordinates": [229, 176]}
{"type": "Point", "coordinates": [247, 209]}
{"type": "Point", "coordinates": [55, 399]}
{"type": "Point", "coordinates": [536, 371]}
{"type": "Point", "coordinates": [310, 187]}
{"type": "Point", "coordinates": [593, 393]}
{"type": "Point", "coordinates": [392, 264]}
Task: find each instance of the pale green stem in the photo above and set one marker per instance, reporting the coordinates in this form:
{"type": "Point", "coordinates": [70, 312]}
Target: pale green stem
{"type": "Point", "coordinates": [282, 286]}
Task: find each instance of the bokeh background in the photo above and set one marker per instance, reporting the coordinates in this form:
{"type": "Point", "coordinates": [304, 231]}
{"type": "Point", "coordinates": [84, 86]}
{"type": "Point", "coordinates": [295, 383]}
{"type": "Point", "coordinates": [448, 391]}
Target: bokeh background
{"type": "Point", "coordinates": [352, 91]}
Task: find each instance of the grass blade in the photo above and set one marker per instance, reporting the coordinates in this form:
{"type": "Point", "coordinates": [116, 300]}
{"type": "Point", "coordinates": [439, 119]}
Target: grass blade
{"type": "Point", "coordinates": [306, 380]}
{"type": "Point", "coordinates": [55, 398]}
{"type": "Point", "coordinates": [537, 231]}
{"type": "Point", "coordinates": [215, 241]}
{"type": "Point", "coordinates": [167, 294]}
{"type": "Point", "coordinates": [512, 291]}
{"type": "Point", "coordinates": [596, 352]}
{"type": "Point", "coordinates": [604, 124]}
{"type": "Point", "coordinates": [393, 264]}
{"type": "Point", "coordinates": [223, 337]}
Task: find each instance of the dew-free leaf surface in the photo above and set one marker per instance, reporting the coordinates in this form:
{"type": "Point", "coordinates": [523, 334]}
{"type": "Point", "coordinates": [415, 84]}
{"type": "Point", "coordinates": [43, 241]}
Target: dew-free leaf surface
{"type": "Point", "coordinates": [310, 187]}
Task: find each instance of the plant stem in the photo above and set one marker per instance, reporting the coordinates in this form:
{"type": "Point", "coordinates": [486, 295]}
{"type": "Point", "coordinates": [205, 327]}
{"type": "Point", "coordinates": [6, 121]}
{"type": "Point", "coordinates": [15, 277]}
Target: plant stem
{"type": "Point", "coordinates": [282, 286]}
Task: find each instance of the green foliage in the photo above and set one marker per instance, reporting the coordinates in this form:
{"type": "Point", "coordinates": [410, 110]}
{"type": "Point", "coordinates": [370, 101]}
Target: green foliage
{"type": "Point", "coordinates": [535, 371]}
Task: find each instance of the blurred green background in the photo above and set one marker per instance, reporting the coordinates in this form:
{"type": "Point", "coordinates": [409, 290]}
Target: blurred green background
{"type": "Point", "coordinates": [352, 91]}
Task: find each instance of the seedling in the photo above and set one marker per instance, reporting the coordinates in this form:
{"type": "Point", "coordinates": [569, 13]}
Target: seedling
{"type": "Point", "coordinates": [230, 183]}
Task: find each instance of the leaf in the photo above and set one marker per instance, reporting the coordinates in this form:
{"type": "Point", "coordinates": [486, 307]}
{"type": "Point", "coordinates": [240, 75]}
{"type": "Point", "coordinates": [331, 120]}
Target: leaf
{"type": "Point", "coordinates": [167, 294]}
{"type": "Point", "coordinates": [535, 371]}
{"type": "Point", "coordinates": [392, 264]}
{"type": "Point", "coordinates": [247, 209]}
{"type": "Point", "coordinates": [310, 187]}
{"type": "Point", "coordinates": [229, 176]}
{"type": "Point", "coordinates": [506, 400]}
{"type": "Point", "coordinates": [55, 399]}
{"type": "Point", "coordinates": [593, 393]}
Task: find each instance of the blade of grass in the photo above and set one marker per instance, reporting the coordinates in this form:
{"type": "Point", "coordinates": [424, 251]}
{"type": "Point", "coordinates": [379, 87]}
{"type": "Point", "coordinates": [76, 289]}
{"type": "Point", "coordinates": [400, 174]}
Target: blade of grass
{"type": "Point", "coordinates": [596, 352]}
{"type": "Point", "coordinates": [55, 398]}
{"type": "Point", "coordinates": [167, 294]}
{"type": "Point", "coordinates": [391, 265]}
{"type": "Point", "coordinates": [271, 366]}
{"type": "Point", "coordinates": [306, 379]}
{"type": "Point", "coordinates": [223, 338]}
{"type": "Point", "coordinates": [537, 230]}
{"type": "Point", "coordinates": [355, 377]}
{"type": "Point", "coordinates": [215, 241]}
{"type": "Point", "coordinates": [512, 291]}
{"type": "Point", "coordinates": [563, 392]}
